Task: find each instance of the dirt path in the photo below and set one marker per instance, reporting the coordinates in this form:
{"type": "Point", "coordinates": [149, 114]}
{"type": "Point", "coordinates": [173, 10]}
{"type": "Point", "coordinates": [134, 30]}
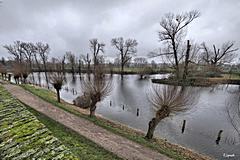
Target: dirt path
{"type": "Point", "coordinates": [120, 146]}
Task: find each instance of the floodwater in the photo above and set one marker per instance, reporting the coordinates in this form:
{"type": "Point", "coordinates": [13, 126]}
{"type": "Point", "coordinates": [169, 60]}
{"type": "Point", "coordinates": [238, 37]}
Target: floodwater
{"type": "Point", "coordinates": [210, 113]}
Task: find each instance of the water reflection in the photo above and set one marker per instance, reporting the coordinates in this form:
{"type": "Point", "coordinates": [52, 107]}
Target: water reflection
{"type": "Point", "coordinates": [233, 112]}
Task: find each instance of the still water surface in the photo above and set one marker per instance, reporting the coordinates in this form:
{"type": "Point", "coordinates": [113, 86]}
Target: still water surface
{"type": "Point", "coordinates": [203, 122]}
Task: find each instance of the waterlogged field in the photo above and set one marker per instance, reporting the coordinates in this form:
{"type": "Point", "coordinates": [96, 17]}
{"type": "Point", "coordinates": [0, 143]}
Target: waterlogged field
{"type": "Point", "coordinates": [23, 136]}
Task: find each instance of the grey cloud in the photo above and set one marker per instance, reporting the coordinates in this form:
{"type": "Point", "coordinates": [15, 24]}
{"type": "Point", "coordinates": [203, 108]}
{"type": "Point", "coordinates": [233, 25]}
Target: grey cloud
{"type": "Point", "coordinates": [68, 25]}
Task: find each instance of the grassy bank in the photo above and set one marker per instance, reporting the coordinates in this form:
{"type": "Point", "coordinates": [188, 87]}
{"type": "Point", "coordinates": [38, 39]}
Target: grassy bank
{"type": "Point", "coordinates": [79, 145]}
{"type": "Point", "coordinates": [162, 146]}
{"type": "Point", "coordinates": [22, 136]}
{"type": "Point", "coordinates": [200, 81]}
{"type": "Point", "coordinates": [71, 143]}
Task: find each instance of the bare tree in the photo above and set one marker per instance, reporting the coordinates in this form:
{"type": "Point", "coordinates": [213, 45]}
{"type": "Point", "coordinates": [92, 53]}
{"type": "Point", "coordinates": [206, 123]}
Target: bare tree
{"type": "Point", "coordinates": [167, 101]}
{"type": "Point", "coordinates": [43, 51]}
{"type": "Point", "coordinates": [116, 61]}
{"type": "Point", "coordinates": [16, 51]}
{"type": "Point", "coordinates": [36, 58]}
{"type": "Point", "coordinates": [140, 61]}
{"type": "Point", "coordinates": [173, 30]}
{"type": "Point", "coordinates": [96, 48]}
{"type": "Point", "coordinates": [187, 56]}
{"type": "Point", "coordinates": [19, 72]}
{"type": "Point", "coordinates": [53, 64]}
{"type": "Point", "coordinates": [63, 63]}
{"type": "Point", "coordinates": [80, 64]}
{"type": "Point", "coordinates": [29, 49]}
{"type": "Point", "coordinates": [96, 89]}
{"type": "Point", "coordinates": [3, 70]}
{"type": "Point", "coordinates": [57, 79]}
{"type": "Point", "coordinates": [126, 50]}
{"type": "Point", "coordinates": [142, 69]}
{"type": "Point", "coordinates": [20, 51]}
{"type": "Point", "coordinates": [87, 61]}
{"type": "Point", "coordinates": [192, 56]}
{"type": "Point", "coordinates": [218, 56]}
{"type": "Point", "coordinates": [153, 64]}
{"type": "Point", "coordinates": [72, 60]}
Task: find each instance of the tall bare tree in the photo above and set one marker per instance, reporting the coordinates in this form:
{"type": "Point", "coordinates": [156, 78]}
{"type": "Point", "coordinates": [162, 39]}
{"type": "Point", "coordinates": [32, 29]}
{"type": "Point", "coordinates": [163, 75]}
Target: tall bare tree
{"type": "Point", "coordinates": [19, 54]}
{"type": "Point", "coordinates": [87, 61]}
{"type": "Point", "coordinates": [173, 30]}
{"type": "Point", "coordinates": [29, 49]}
{"type": "Point", "coordinates": [43, 51]}
{"type": "Point", "coordinates": [126, 50]}
{"type": "Point", "coordinates": [80, 64]}
{"type": "Point", "coordinates": [167, 101]}
{"type": "Point", "coordinates": [187, 56]}
{"type": "Point", "coordinates": [218, 56]}
{"type": "Point", "coordinates": [140, 61]}
{"type": "Point", "coordinates": [63, 64]}
{"type": "Point", "coordinates": [37, 61]}
{"type": "Point", "coordinates": [72, 61]}
{"type": "Point", "coordinates": [16, 51]}
{"type": "Point", "coordinates": [96, 48]}
{"type": "Point", "coordinates": [96, 89]}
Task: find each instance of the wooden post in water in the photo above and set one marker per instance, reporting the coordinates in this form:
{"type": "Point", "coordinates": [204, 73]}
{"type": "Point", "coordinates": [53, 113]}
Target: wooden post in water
{"type": "Point", "coordinates": [9, 77]}
{"type": "Point", "coordinates": [219, 137]}
{"type": "Point", "coordinates": [123, 107]}
{"type": "Point", "coordinates": [183, 126]}
{"type": "Point", "coordinates": [137, 111]}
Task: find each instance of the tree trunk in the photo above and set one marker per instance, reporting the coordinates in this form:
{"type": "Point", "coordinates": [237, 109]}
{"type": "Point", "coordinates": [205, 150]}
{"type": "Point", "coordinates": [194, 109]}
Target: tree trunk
{"type": "Point", "coordinates": [185, 73]}
{"type": "Point", "coordinates": [92, 110]}
{"type": "Point", "coordinates": [79, 69]}
{"type": "Point", "coordinates": [73, 72]}
{"type": "Point", "coordinates": [175, 58]}
{"type": "Point", "coordinates": [45, 68]}
{"type": "Point", "coordinates": [63, 67]}
{"type": "Point", "coordinates": [151, 128]}
{"type": "Point", "coordinates": [88, 67]}
{"type": "Point", "coordinates": [31, 70]}
{"type": "Point", "coordinates": [122, 69]}
{"type": "Point", "coordinates": [39, 78]}
{"type": "Point", "coordinates": [33, 79]}
{"type": "Point", "coordinates": [58, 95]}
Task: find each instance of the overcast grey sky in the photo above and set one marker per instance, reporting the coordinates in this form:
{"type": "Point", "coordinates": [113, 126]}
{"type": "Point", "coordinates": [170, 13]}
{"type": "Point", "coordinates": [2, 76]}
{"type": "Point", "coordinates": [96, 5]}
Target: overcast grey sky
{"type": "Point", "coordinates": [67, 25]}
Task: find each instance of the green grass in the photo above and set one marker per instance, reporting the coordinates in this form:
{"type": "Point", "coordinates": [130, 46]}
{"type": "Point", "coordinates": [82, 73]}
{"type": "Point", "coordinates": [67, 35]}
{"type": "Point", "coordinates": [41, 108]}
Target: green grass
{"type": "Point", "coordinates": [231, 76]}
{"type": "Point", "coordinates": [28, 121]}
{"type": "Point", "coordinates": [161, 146]}
{"type": "Point", "coordinates": [79, 145]}
{"type": "Point", "coordinates": [23, 136]}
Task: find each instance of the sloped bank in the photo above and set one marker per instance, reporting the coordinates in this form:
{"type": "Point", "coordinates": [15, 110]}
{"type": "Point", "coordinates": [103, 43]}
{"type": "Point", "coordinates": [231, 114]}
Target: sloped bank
{"type": "Point", "coordinates": [22, 136]}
